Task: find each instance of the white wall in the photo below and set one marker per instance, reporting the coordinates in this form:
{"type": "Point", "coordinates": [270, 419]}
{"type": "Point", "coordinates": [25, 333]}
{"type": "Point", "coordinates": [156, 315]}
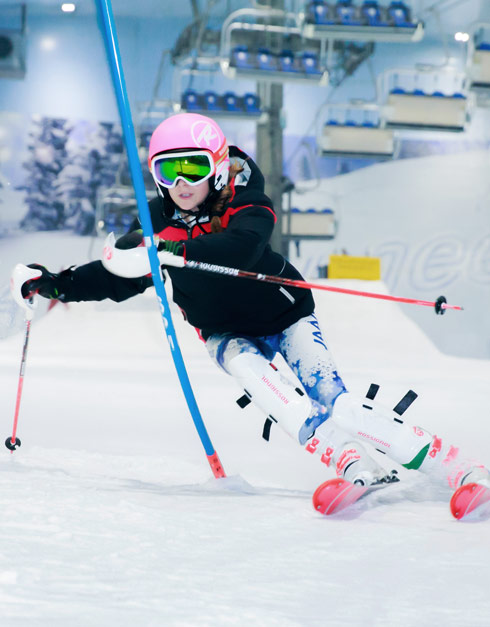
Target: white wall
{"type": "Point", "coordinates": [67, 71]}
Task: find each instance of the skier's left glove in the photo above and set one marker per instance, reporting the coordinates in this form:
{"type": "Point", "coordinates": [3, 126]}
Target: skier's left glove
{"type": "Point", "coordinates": [175, 248]}
{"type": "Point", "coordinates": [49, 284]}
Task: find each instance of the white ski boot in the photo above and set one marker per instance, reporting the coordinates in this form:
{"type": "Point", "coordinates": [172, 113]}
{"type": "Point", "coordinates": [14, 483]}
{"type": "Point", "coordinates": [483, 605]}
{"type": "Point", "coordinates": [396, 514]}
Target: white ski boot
{"type": "Point", "coordinates": [354, 464]}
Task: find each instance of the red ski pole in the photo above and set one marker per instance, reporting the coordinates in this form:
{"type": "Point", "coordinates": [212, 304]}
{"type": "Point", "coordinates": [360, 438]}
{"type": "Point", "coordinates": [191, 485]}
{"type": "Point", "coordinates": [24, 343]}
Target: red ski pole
{"type": "Point", "coordinates": [132, 263]}
{"type": "Point", "coordinates": [13, 442]}
{"type": "Point", "coordinates": [20, 275]}
{"type": "Point", "coordinates": [440, 304]}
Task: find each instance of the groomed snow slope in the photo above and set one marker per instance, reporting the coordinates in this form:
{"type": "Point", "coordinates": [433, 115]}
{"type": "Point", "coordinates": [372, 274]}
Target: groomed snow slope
{"type": "Point", "coordinates": [111, 516]}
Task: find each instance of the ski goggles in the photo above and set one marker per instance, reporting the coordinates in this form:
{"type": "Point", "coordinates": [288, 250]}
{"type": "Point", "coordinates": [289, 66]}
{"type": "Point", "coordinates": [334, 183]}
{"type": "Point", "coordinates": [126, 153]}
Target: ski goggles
{"type": "Point", "coordinates": [193, 167]}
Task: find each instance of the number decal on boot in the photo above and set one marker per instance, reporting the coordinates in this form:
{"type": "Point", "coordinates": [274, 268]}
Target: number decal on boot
{"type": "Point", "coordinates": [436, 447]}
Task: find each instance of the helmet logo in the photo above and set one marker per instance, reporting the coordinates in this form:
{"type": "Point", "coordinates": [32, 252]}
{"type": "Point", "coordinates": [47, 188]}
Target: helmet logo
{"type": "Point", "coordinates": [205, 136]}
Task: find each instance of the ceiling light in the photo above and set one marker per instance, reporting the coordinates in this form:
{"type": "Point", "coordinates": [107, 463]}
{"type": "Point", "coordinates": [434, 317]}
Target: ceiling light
{"type": "Point", "coordinates": [68, 7]}
{"type": "Point", "coordinates": [461, 36]}
{"type": "Point", "coordinates": [47, 43]}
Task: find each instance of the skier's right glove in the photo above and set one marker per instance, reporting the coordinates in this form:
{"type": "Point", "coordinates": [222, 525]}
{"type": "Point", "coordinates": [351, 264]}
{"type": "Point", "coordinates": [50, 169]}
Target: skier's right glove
{"type": "Point", "coordinates": [48, 285]}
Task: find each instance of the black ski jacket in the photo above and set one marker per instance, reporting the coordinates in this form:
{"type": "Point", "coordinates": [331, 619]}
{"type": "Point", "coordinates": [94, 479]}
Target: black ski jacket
{"type": "Point", "coordinates": [215, 303]}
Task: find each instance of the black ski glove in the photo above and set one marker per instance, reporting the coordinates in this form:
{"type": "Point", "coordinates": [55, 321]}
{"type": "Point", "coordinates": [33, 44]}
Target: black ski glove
{"type": "Point", "coordinates": [130, 240]}
{"type": "Point", "coordinates": [48, 285]}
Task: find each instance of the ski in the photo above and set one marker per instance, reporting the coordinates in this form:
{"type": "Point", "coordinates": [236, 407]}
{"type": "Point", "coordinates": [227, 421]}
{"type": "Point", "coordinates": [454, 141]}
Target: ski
{"type": "Point", "coordinates": [471, 502]}
{"type": "Point", "coordinates": [335, 495]}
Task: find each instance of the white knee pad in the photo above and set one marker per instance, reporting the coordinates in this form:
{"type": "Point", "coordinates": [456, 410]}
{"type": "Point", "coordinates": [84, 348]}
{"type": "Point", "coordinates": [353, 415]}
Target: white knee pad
{"type": "Point", "coordinates": [278, 396]}
{"type": "Point", "coordinates": [367, 421]}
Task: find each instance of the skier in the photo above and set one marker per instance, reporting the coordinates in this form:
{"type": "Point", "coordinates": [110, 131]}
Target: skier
{"type": "Point", "coordinates": [211, 207]}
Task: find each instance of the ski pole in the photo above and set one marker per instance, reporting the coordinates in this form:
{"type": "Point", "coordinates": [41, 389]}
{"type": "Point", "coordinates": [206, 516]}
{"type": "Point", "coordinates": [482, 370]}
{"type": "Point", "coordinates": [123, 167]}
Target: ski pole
{"type": "Point", "coordinates": [111, 42]}
{"type": "Point", "coordinates": [440, 304]}
{"type": "Point", "coordinates": [133, 262]}
{"type": "Point", "coordinates": [12, 442]}
{"type": "Point", "coordinates": [20, 275]}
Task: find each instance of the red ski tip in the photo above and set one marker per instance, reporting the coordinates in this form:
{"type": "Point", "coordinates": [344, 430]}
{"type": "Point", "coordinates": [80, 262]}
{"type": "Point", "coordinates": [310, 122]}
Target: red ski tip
{"type": "Point", "coordinates": [335, 495]}
{"type": "Point", "coordinates": [471, 501]}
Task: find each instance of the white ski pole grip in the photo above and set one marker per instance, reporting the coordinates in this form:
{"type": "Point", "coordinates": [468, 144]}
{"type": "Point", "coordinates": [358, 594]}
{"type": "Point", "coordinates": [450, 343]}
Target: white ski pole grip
{"type": "Point", "coordinates": [132, 263]}
{"type": "Point", "coordinates": [20, 275]}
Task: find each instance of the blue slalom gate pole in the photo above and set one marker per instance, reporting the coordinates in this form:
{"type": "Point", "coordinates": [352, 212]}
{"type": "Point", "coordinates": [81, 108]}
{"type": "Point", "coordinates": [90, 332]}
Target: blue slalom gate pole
{"type": "Point", "coordinates": [112, 47]}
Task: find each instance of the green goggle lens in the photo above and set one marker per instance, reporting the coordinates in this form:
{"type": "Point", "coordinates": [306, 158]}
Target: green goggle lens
{"type": "Point", "coordinates": [193, 169]}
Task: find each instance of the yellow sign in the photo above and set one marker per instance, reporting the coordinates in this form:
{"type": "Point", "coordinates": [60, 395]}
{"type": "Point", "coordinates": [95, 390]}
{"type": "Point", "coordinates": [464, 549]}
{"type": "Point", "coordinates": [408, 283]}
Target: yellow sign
{"type": "Point", "coordinates": [347, 267]}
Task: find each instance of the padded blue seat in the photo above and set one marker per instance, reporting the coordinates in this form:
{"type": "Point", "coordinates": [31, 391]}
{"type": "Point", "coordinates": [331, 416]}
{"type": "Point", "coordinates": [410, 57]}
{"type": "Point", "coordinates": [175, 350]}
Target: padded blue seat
{"type": "Point", "coordinates": [191, 100]}
{"type": "Point", "coordinates": [371, 13]}
{"type": "Point", "coordinates": [127, 220]}
{"type": "Point", "coordinates": [266, 60]}
{"type": "Point", "coordinates": [231, 102]}
{"type": "Point", "coordinates": [399, 14]}
{"type": "Point", "coordinates": [251, 103]}
{"type": "Point", "coordinates": [286, 61]}
{"type": "Point", "coordinates": [309, 63]}
{"type": "Point", "coordinates": [241, 57]}
{"type": "Point", "coordinates": [347, 14]}
{"type": "Point", "coordinates": [212, 101]}
{"type": "Point", "coordinates": [111, 222]}
{"type": "Point", "coordinates": [320, 12]}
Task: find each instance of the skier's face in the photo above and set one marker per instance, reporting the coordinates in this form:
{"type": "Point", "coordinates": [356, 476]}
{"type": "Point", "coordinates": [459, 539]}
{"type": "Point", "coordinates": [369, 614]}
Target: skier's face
{"type": "Point", "coordinates": [189, 197]}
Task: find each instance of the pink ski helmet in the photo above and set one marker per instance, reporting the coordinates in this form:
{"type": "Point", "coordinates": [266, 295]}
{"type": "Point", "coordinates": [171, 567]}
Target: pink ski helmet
{"type": "Point", "coordinates": [191, 131]}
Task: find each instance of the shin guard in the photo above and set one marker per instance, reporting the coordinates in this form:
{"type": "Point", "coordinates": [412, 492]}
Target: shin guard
{"type": "Point", "coordinates": [280, 397]}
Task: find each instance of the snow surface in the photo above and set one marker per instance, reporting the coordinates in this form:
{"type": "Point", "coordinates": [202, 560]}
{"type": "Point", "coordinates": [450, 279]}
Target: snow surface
{"type": "Point", "coordinates": [111, 515]}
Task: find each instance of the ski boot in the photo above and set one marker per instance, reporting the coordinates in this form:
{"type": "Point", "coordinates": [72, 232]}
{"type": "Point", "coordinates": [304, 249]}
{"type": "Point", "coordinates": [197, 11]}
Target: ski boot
{"type": "Point", "coordinates": [479, 475]}
{"type": "Point", "coordinates": [355, 465]}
